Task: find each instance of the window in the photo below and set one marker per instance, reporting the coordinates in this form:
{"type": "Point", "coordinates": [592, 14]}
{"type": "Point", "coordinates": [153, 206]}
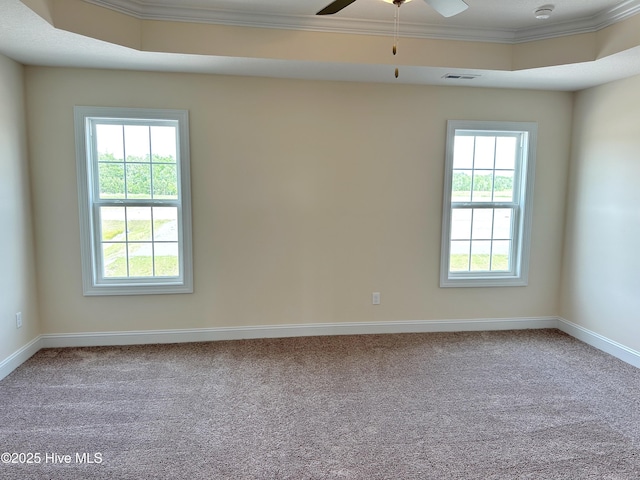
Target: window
{"type": "Point", "coordinates": [135, 209]}
{"type": "Point", "coordinates": [488, 195]}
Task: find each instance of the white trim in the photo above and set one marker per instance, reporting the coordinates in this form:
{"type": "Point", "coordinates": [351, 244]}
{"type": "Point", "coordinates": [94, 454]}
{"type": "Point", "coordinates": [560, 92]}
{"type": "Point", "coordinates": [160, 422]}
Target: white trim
{"type": "Point", "coordinates": [300, 330]}
{"type": "Point", "coordinates": [13, 361]}
{"type": "Point", "coordinates": [91, 339]}
{"type": "Point", "coordinates": [600, 342]}
{"type": "Point", "coordinates": [93, 282]}
{"type": "Point", "coordinates": [577, 26]}
{"type": "Point", "coordinates": [146, 10]}
{"type": "Point", "coordinates": [522, 205]}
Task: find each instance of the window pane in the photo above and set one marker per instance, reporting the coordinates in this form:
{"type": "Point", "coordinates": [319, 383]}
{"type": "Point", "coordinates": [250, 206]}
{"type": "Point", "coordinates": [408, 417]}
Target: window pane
{"type": "Point", "coordinates": [136, 143]}
{"type": "Point", "coordinates": [111, 180]}
{"type": "Point", "coordinates": [482, 185]}
{"type": "Point", "coordinates": [138, 224]}
{"type": "Point", "coordinates": [461, 186]}
{"type": "Point", "coordinates": [463, 151]}
{"type": "Point", "coordinates": [109, 143]}
{"type": "Point", "coordinates": [459, 256]}
{"type": "Point", "coordinates": [112, 224]}
{"type": "Point", "coordinates": [163, 144]}
{"type": "Point", "coordinates": [482, 223]}
{"type": "Point", "coordinates": [130, 252]}
{"type": "Point", "coordinates": [166, 260]}
{"type": "Point", "coordinates": [114, 260]}
{"type": "Point", "coordinates": [138, 181]}
{"type": "Point", "coordinates": [502, 224]}
{"type": "Point", "coordinates": [480, 255]}
{"type": "Point", "coordinates": [461, 224]}
{"type": "Point", "coordinates": [165, 181]}
{"type": "Point", "coordinates": [506, 153]}
{"type": "Point", "coordinates": [165, 224]}
{"type": "Point", "coordinates": [140, 260]}
{"type": "Point", "coordinates": [500, 255]}
{"type": "Point", "coordinates": [503, 186]}
{"type": "Point", "coordinates": [484, 153]}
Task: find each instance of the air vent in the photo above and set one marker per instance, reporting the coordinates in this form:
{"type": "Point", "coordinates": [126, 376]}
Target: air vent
{"type": "Point", "coordinates": [460, 76]}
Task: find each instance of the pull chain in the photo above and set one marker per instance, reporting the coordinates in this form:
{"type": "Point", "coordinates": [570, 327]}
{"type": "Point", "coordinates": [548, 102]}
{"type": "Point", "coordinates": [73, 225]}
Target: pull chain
{"type": "Point", "coordinates": [396, 30]}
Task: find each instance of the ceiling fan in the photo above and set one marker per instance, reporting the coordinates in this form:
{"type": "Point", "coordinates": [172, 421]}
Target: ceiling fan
{"type": "Point", "coordinates": [446, 8]}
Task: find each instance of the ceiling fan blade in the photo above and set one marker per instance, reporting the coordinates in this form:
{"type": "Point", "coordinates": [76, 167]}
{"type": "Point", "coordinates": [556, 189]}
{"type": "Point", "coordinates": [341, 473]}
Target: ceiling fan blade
{"type": "Point", "coordinates": [448, 8]}
{"type": "Point", "coordinates": [335, 7]}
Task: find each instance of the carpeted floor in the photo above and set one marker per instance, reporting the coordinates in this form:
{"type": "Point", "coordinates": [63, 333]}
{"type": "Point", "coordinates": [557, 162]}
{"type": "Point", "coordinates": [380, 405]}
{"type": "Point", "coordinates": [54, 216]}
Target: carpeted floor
{"type": "Point", "coordinates": [534, 404]}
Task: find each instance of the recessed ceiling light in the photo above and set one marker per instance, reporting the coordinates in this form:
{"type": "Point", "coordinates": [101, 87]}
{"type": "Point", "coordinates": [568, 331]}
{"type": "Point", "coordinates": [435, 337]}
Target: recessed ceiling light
{"type": "Point", "coordinates": [543, 12]}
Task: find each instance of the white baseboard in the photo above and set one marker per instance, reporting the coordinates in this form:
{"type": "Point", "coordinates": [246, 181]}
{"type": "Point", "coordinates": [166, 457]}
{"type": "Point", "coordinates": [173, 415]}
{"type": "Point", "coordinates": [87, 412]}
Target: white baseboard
{"type": "Point", "coordinates": [91, 339]}
{"type": "Point", "coordinates": [13, 361]}
{"type": "Point", "coordinates": [600, 342]}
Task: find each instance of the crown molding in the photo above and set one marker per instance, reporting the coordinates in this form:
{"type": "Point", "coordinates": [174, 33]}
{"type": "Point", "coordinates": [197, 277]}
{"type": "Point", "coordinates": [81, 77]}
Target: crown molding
{"type": "Point", "coordinates": [590, 24]}
{"type": "Point", "coordinates": [145, 10]}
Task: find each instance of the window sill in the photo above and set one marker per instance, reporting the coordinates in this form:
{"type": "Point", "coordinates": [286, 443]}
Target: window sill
{"type": "Point", "coordinates": [506, 281]}
{"type": "Point", "coordinates": [167, 289]}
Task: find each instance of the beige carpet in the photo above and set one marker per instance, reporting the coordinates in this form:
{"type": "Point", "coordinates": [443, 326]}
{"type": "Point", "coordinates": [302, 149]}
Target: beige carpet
{"type": "Point", "coordinates": [499, 405]}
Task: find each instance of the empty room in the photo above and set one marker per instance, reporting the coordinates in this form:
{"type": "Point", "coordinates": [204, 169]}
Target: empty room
{"type": "Point", "coordinates": [361, 239]}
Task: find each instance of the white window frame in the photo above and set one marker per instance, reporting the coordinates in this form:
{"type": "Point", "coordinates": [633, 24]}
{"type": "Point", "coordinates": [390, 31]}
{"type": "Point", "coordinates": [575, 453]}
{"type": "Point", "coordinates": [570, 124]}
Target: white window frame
{"type": "Point", "coordinates": [93, 281]}
{"type": "Point", "coordinates": [522, 205]}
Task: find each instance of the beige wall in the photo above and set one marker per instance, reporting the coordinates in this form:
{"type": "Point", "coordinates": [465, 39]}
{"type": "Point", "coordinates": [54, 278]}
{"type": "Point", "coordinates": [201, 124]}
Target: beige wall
{"type": "Point", "coordinates": [18, 279]}
{"type": "Point", "coordinates": [601, 281]}
{"type": "Point", "coordinates": [307, 196]}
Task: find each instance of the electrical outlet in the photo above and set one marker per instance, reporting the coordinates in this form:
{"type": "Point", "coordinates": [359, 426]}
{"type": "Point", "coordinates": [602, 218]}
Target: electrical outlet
{"type": "Point", "coordinates": [19, 320]}
{"type": "Point", "coordinates": [375, 298]}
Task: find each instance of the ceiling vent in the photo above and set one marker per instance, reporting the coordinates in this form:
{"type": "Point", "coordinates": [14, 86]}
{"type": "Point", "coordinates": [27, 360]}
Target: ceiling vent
{"type": "Point", "coordinates": [460, 76]}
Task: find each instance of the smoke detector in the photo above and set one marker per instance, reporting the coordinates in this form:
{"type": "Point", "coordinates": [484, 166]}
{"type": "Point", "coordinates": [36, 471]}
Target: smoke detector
{"type": "Point", "coordinates": [543, 12]}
